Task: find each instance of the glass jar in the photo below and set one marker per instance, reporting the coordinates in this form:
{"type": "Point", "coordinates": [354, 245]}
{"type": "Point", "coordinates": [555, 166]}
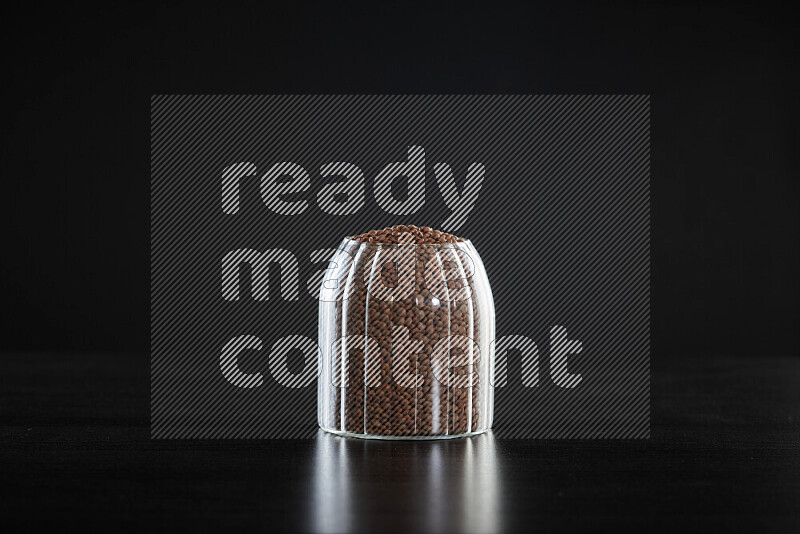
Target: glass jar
{"type": "Point", "coordinates": [405, 337]}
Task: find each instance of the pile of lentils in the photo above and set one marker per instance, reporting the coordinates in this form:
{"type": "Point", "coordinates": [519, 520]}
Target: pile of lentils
{"type": "Point", "coordinates": [433, 408]}
{"type": "Point", "coordinates": [418, 235]}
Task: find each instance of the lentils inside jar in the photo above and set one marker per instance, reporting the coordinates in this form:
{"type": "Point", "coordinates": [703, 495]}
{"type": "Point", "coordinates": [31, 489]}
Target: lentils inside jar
{"type": "Point", "coordinates": [402, 234]}
{"type": "Point", "coordinates": [409, 334]}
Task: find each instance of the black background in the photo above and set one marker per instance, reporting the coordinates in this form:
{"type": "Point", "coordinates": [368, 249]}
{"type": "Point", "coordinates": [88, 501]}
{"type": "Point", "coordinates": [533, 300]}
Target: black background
{"type": "Point", "coordinates": [77, 82]}
{"type": "Point", "coordinates": [724, 139]}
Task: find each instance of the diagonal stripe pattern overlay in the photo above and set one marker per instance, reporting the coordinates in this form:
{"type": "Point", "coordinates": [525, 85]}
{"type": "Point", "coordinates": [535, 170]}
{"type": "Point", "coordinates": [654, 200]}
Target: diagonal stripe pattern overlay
{"type": "Point", "coordinates": [251, 195]}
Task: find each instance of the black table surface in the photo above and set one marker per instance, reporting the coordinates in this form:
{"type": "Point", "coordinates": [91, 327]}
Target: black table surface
{"type": "Point", "coordinates": [724, 455]}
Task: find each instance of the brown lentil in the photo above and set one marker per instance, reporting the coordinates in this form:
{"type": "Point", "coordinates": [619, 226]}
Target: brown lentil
{"type": "Point", "coordinates": [434, 407]}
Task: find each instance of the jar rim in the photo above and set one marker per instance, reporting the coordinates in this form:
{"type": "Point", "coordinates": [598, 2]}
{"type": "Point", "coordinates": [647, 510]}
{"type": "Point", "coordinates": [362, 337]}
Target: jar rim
{"type": "Point", "coordinates": [354, 241]}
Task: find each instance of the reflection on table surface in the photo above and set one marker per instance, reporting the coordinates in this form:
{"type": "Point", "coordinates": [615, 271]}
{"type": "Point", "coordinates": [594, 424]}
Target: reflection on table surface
{"type": "Point", "coordinates": [404, 486]}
